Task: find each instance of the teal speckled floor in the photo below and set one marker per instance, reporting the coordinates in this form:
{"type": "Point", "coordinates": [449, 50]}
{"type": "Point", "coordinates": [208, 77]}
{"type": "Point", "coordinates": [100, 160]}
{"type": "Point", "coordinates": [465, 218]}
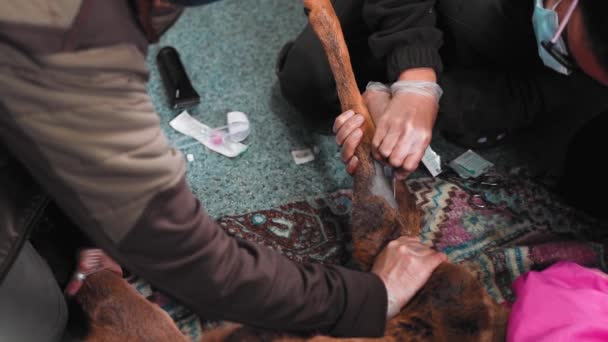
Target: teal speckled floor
{"type": "Point", "coordinates": [229, 51]}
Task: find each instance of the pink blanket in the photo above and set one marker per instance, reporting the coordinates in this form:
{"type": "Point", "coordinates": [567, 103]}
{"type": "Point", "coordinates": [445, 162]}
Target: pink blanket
{"type": "Point", "coordinates": [565, 302]}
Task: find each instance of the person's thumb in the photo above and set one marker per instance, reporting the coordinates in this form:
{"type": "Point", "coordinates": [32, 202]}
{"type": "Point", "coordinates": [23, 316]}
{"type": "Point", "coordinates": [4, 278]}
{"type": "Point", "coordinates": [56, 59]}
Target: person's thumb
{"type": "Point", "coordinates": [436, 260]}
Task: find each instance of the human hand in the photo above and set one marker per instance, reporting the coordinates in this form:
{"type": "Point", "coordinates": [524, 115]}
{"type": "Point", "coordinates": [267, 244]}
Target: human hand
{"type": "Point", "coordinates": [404, 266]}
{"type": "Point", "coordinates": [90, 261]}
{"type": "Point", "coordinates": [403, 131]}
{"type": "Point", "coordinates": [347, 127]}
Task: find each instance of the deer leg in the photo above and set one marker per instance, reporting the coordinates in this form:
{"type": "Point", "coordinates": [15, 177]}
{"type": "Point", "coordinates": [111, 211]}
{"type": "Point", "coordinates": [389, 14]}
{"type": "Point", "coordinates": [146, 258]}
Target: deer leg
{"type": "Point", "coordinates": [453, 305]}
{"type": "Point", "coordinates": [377, 213]}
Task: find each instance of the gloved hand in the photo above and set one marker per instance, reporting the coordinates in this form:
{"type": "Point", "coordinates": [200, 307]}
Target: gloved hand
{"type": "Point", "coordinates": [403, 131]}
{"type": "Point", "coordinates": [404, 115]}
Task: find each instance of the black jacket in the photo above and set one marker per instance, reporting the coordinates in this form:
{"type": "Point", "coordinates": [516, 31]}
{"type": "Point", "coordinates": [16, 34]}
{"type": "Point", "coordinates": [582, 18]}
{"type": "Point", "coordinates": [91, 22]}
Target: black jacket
{"type": "Point", "coordinates": [405, 34]}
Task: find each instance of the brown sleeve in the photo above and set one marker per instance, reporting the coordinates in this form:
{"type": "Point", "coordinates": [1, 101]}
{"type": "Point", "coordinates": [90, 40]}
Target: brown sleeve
{"type": "Point", "coordinates": [84, 126]}
{"type": "Point", "coordinates": [177, 247]}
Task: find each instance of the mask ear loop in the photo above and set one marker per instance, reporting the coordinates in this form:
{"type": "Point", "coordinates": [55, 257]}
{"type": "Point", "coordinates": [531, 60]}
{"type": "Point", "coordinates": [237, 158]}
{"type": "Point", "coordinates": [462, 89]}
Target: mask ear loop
{"type": "Point", "coordinates": [564, 22]}
{"type": "Point", "coordinates": [556, 4]}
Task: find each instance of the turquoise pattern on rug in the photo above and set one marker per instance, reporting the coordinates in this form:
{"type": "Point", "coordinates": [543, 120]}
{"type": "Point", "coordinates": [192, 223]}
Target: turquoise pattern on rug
{"type": "Point", "coordinates": [522, 228]}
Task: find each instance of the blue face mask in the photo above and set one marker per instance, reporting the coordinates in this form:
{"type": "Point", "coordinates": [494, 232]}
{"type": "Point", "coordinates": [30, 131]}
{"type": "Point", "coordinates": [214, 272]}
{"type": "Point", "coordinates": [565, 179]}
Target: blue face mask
{"type": "Point", "coordinates": [546, 25]}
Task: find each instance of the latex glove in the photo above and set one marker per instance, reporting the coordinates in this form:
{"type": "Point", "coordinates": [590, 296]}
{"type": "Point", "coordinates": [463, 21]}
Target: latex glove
{"type": "Point", "coordinates": [404, 266]}
{"type": "Point", "coordinates": [403, 131]}
{"type": "Point", "coordinates": [347, 127]}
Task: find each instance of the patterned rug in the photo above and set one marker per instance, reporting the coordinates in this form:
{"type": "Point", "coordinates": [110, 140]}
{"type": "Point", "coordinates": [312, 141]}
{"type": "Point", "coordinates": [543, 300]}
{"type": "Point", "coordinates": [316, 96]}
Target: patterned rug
{"type": "Point", "coordinates": [499, 232]}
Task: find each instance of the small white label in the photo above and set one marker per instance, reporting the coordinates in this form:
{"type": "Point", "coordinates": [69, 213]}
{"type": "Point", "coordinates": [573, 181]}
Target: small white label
{"type": "Point", "coordinates": [190, 157]}
{"type": "Point", "coordinates": [470, 164]}
{"type": "Point", "coordinates": [432, 161]}
{"type": "Point", "coordinates": [303, 156]}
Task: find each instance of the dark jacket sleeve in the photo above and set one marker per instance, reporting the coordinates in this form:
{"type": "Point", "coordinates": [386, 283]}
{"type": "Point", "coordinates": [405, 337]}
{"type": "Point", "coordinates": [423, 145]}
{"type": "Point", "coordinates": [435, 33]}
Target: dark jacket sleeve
{"type": "Point", "coordinates": [404, 34]}
{"type": "Point", "coordinates": [179, 248]}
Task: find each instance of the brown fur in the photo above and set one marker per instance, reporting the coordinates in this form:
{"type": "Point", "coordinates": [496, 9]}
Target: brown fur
{"type": "Point", "coordinates": [452, 306]}
{"type": "Point", "coordinates": [116, 312]}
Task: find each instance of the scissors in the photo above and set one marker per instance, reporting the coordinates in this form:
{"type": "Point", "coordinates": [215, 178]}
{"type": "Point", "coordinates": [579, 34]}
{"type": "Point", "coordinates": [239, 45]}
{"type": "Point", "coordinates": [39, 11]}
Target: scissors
{"type": "Point", "coordinates": [475, 186]}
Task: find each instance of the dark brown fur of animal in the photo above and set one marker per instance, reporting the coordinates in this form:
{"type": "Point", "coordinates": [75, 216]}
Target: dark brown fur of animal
{"type": "Point", "coordinates": [116, 312]}
{"type": "Point", "coordinates": [452, 306]}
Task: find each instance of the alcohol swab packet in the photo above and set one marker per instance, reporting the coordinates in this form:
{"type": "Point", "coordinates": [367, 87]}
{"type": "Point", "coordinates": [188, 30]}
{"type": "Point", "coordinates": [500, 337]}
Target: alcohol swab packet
{"type": "Point", "coordinates": [186, 124]}
{"type": "Point", "coordinates": [302, 156]}
{"type": "Point", "coordinates": [470, 164]}
{"type": "Point", "coordinates": [432, 161]}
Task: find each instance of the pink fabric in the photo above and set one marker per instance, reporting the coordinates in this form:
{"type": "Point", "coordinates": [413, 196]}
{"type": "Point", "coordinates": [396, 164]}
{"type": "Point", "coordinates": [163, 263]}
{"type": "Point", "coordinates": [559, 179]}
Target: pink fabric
{"type": "Point", "coordinates": [565, 302]}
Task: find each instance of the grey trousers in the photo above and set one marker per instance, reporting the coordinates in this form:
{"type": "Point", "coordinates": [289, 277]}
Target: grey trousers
{"type": "Point", "coordinates": [32, 306]}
